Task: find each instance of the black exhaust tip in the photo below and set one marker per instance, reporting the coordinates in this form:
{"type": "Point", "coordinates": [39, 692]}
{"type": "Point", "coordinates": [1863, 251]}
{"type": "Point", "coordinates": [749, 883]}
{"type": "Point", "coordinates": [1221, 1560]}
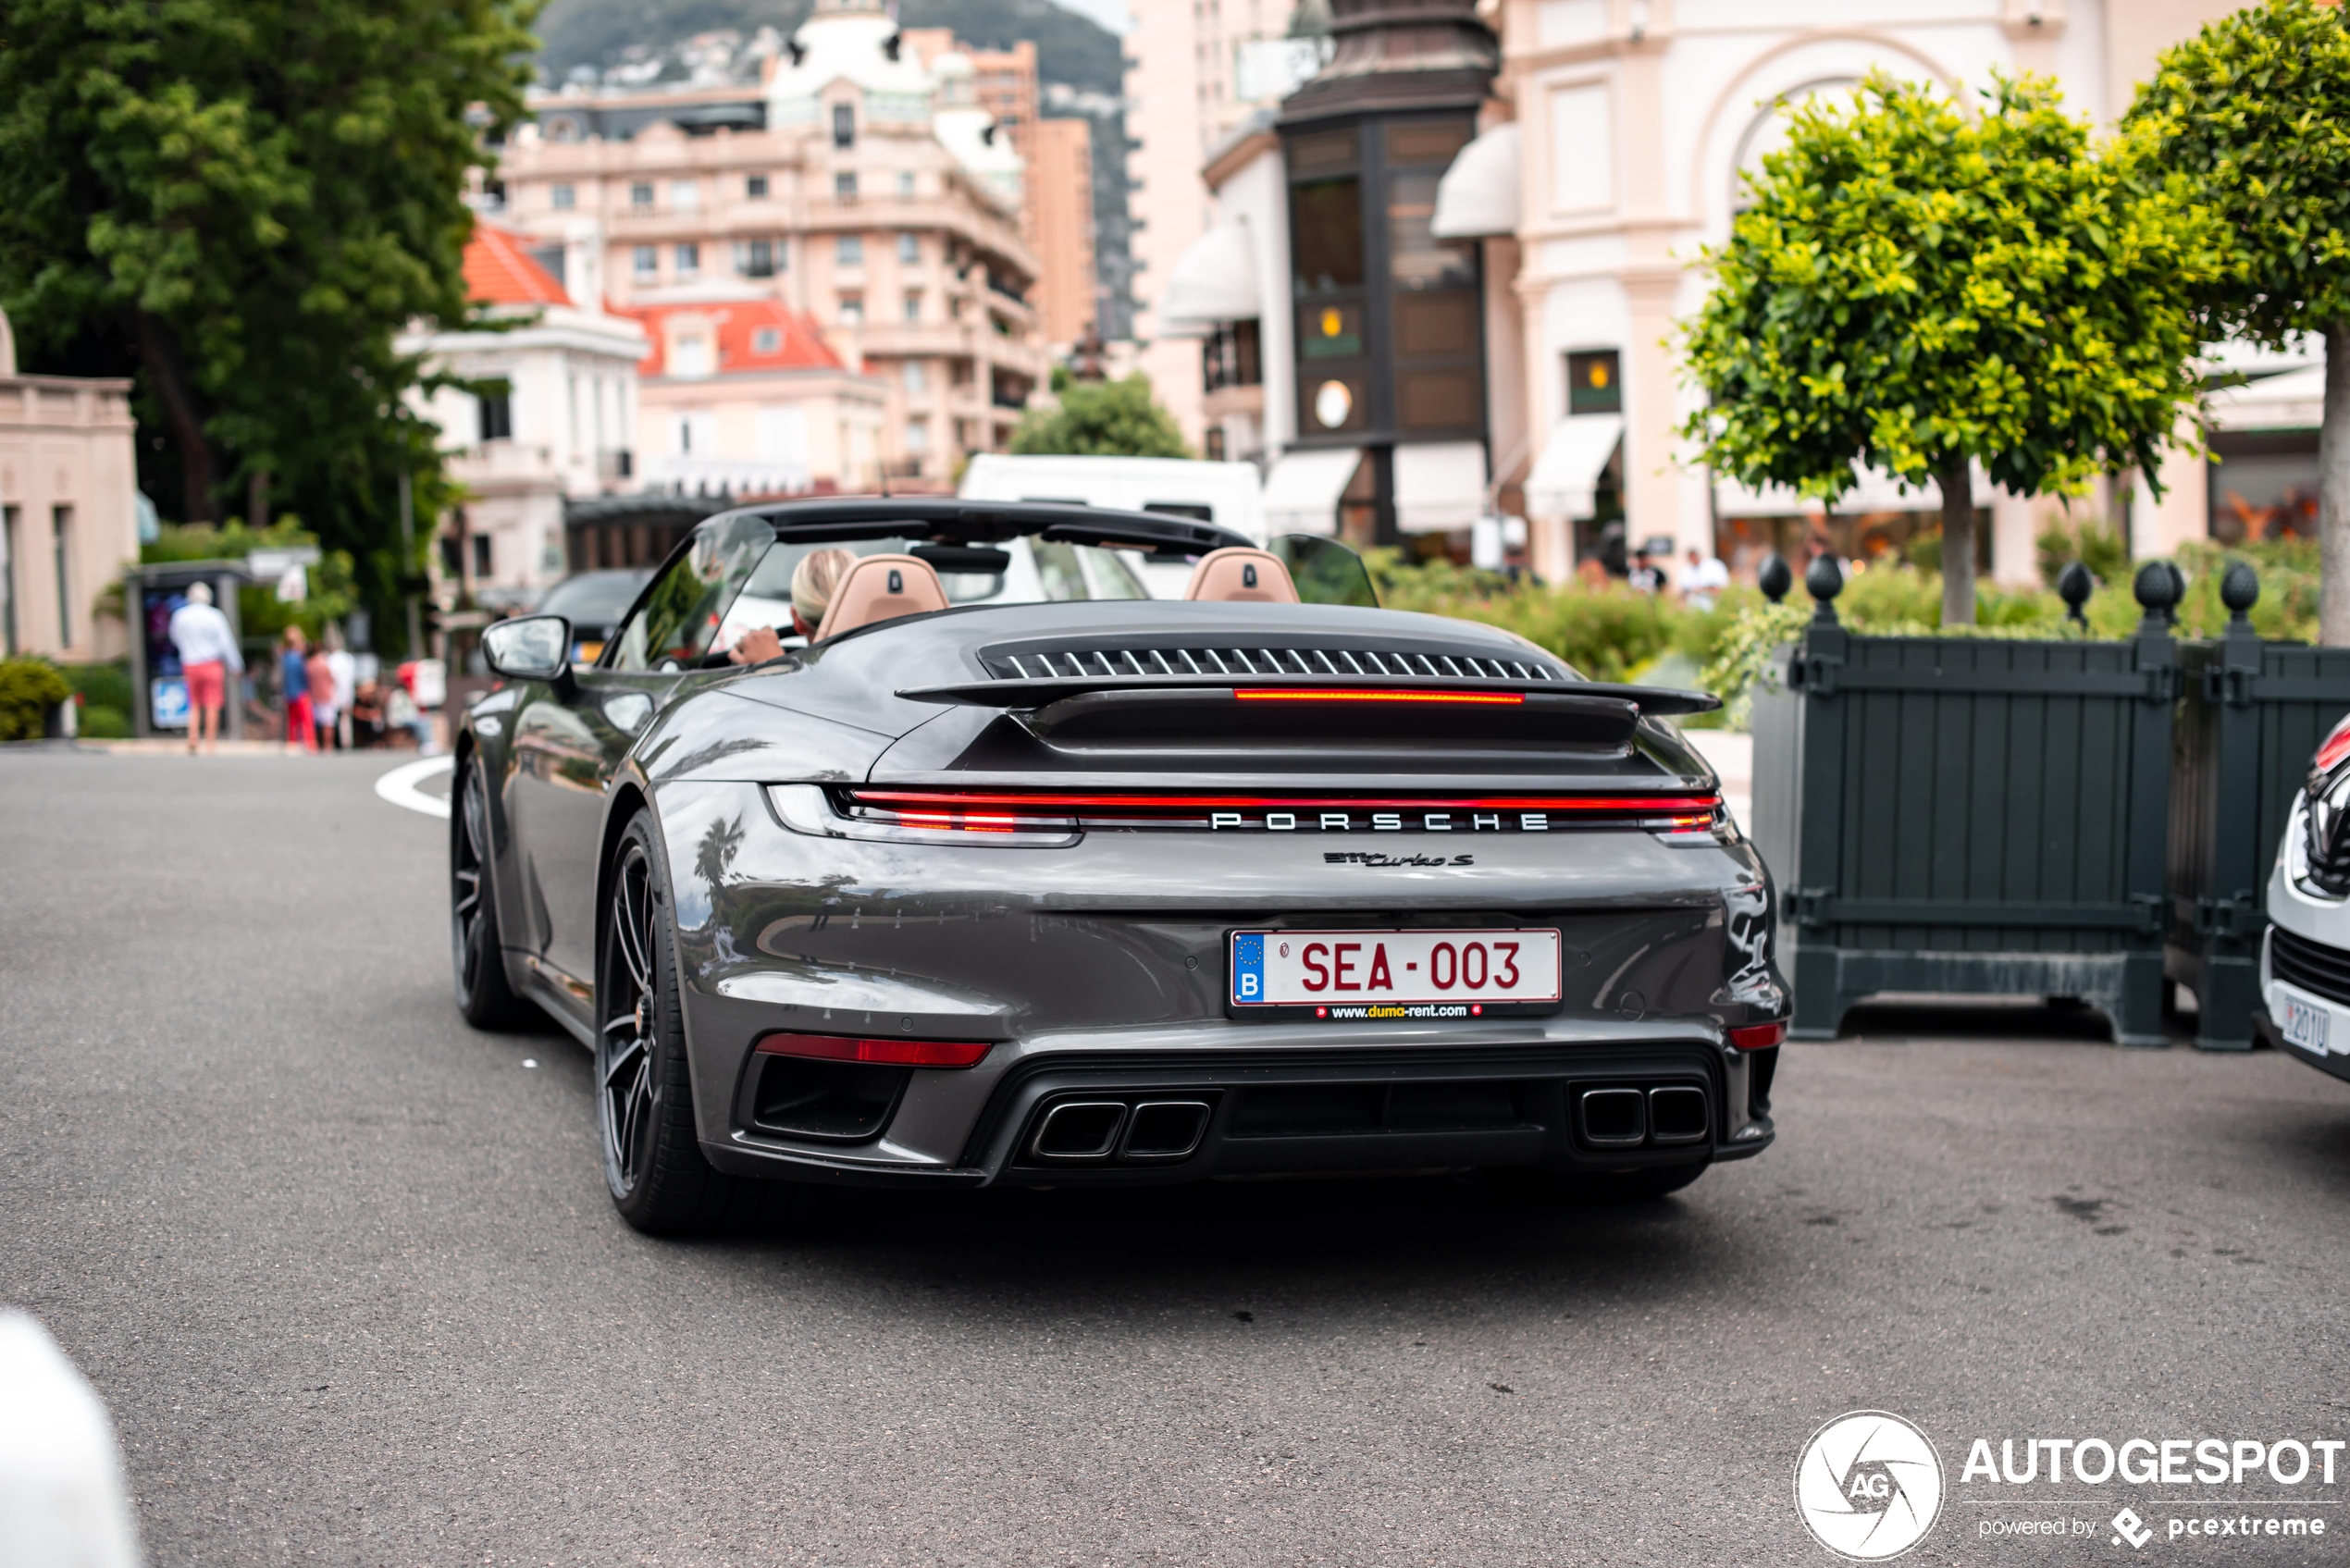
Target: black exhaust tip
{"type": "Point", "coordinates": [1612, 1118]}
{"type": "Point", "coordinates": [1164, 1129]}
{"type": "Point", "coordinates": [1079, 1129]}
{"type": "Point", "coordinates": [1678, 1114]}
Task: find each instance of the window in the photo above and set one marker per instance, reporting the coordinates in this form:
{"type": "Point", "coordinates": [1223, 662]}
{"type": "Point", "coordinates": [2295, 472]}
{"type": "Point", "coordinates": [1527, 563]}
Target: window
{"type": "Point", "coordinates": [689, 354]}
{"type": "Point", "coordinates": [640, 195]}
{"type": "Point", "coordinates": [917, 435]}
{"type": "Point", "coordinates": [482, 557]}
{"type": "Point", "coordinates": [1594, 382]}
{"type": "Point", "coordinates": [564, 197]}
{"type": "Point", "coordinates": [684, 196]}
{"type": "Point", "coordinates": [1417, 259]}
{"type": "Point", "coordinates": [909, 250]}
{"type": "Point", "coordinates": [755, 258]}
{"type": "Point", "coordinates": [913, 305]}
{"type": "Point", "coordinates": [906, 183]}
{"type": "Point", "coordinates": [844, 124]}
{"type": "Point", "coordinates": [1231, 356]}
{"type": "Point", "coordinates": [685, 604]}
{"type": "Point", "coordinates": [687, 257]}
{"type": "Point", "coordinates": [694, 433]}
{"type": "Point", "coordinates": [61, 543]}
{"type": "Point", "coordinates": [497, 416]}
{"type": "Point", "coordinates": [767, 341]}
{"type": "Point", "coordinates": [849, 251]}
{"type": "Point", "coordinates": [8, 579]}
{"type": "Point", "coordinates": [755, 188]}
{"type": "Point", "coordinates": [1325, 226]}
{"type": "Point", "coordinates": [852, 310]}
{"type": "Point", "coordinates": [915, 380]}
{"type": "Point", "coordinates": [845, 186]}
{"type": "Point", "coordinates": [1212, 444]}
{"type": "Point", "coordinates": [646, 260]}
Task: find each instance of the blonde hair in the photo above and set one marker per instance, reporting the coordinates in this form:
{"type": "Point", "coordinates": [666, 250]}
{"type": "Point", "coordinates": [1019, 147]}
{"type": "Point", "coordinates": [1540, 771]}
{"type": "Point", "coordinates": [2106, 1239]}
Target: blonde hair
{"type": "Point", "coordinates": [813, 580]}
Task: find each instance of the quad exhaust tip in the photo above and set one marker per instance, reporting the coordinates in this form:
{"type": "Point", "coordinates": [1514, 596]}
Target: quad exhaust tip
{"type": "Point", "coordinates": [1143, 1131]}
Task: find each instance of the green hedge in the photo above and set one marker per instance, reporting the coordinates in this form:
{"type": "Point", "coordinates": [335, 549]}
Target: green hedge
{"type": "Point", "coordinates": [29, 688]}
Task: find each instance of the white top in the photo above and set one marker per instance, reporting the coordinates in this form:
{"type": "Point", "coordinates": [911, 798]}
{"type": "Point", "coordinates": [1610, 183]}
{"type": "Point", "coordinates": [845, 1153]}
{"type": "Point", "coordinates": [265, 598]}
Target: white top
{"type": "Point", "coordinates": [346, 673]}
{"type": "Point", "coordinates": [1708, 575]}
{"type": "Point", "coordinates": [201, 633]}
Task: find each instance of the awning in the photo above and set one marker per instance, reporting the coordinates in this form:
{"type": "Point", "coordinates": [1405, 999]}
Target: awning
{"type": "Point", "coordinates": [1302, 491]}
{"type": "Point", "coordinates": [1871, 492]}
{"type": "Point", "coordinates": [1478, 195]}
{"type": "Point", "coordinates": [1213, 281]}
{"type": "Point", "coordinates": [2294, 400]}
{"type": "Point", "coordinates": [1565, 480]}
{"type": "Point", "coordinates": [1439, 486]}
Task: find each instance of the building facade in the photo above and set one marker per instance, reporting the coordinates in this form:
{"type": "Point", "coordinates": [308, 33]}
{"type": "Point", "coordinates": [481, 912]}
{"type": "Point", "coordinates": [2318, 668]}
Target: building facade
{"type": "Point", "coordinates": [555, 420]}
{"type": "Point", "coordinates": [861, 188]}
{"type": "Point", "coordinates": [69, 517]}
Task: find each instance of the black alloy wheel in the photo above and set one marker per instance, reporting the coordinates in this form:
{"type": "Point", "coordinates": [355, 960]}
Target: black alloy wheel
{"type": "Point", "coordinates": [476, 955]}
{"type": "Point", "coordinates": [653, 1163]}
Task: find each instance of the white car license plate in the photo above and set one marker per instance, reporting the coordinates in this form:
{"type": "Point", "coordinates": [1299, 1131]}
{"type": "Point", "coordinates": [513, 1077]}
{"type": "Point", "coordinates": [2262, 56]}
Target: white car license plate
{"type": "Point", "coordinates": [1353, 974]}
{"type": "Point", "coordinates": [2307, 1026]}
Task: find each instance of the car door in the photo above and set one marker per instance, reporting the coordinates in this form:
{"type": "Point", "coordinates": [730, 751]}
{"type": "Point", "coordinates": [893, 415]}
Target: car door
{"type": "Point", "coordinates": [568, 744]}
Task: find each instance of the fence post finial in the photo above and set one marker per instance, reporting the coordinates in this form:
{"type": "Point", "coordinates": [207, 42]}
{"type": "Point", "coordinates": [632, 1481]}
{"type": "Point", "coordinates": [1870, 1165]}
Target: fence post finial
{"type": "Point", "coordinates": [2073, 586]}
{"type": "Point", "coordinates": [2158, 588]}
{"type": "Point", "coordinates": [1774, 579]}
{"type": "Point", "coordinates": [2239, 590]}
{"type": "Point", "coordinates": [1823, 579]}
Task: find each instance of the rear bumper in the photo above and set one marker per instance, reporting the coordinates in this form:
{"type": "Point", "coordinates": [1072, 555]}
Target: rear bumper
{"type": "Point", "coordinates": [1159, 1119]}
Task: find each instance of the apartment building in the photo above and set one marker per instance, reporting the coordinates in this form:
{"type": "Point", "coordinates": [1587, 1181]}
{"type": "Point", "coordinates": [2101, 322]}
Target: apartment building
{"type": "Point", "coordinates": [863, 189]}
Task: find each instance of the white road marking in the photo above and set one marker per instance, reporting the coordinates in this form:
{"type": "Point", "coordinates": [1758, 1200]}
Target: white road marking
{"type": "Point", "coordinates": [398, 786]}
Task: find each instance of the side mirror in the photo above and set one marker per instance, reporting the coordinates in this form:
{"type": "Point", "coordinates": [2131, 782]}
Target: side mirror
{"type": "Point", "coordinates": [529, 648]}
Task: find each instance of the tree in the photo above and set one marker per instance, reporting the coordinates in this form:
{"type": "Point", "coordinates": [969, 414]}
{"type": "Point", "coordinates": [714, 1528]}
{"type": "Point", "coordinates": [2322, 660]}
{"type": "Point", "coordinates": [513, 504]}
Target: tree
{"type": "Point", "coordinates": [1101, 419]}
{"type": "Point", "coordinates": [1920, 291]}
{"type": "Point", "coordinates": [2256, 109]}
{"type": "Point", "coordinates": [256, 195]}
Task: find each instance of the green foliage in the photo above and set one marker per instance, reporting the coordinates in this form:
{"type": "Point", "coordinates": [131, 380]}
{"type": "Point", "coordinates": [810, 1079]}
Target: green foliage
{"type": "Point", "coordinates": [2255, 108]}
{"type": "Point", "coordinates": [2105, 550]}
{"type": "Point", "coordinates": [258, 194]}
{"type": "Point", "coordinates": [1101, 419]}
{"type": "Point", "coordinates": [103, 721]}
{"type": "Point", "coordinates": [103, 685]}
{"type": "Point", "coordinates": [29, 688]}
{"type": "Point", "coordinates": [1742, 656]}
{"type": "Point", "coordinates": [1912, 288]}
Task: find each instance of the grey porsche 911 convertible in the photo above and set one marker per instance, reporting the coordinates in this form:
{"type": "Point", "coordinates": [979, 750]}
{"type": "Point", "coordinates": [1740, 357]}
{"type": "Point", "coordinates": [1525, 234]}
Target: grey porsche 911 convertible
{"type": "Point", "coordinates": [1005, 872]}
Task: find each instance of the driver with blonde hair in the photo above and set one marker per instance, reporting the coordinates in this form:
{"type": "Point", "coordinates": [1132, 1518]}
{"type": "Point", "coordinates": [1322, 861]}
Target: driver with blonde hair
{"type": "Point", "coordinates": [812, 582]}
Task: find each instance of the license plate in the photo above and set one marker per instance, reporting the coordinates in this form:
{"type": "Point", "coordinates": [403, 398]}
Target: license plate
{"type": "Point", "coordinates": [1404, 974]}
{"type": "Point", "coordinates": [2307, 1026]}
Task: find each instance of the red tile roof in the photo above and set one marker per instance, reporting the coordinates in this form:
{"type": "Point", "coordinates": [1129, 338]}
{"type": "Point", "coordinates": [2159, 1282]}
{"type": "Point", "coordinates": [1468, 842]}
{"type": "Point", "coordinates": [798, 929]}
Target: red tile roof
{"type": "Point", "coordinates": [741, 324]}
{"type": "Point", "coordinates": [500, 270]}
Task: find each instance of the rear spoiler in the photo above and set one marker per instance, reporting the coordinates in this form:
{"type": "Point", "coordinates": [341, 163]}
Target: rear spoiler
{"type": "Point", "coordinates": [1369, 690]}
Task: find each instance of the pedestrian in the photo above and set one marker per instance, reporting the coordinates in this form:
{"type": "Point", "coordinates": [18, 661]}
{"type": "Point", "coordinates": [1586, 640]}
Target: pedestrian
{"type": "Point", "coordinates": [346, 673]}
{"type": "Point", "coordinates": [320, 675]}
{"type": "Point", "coordinates": [1702, 580]}
{"type": "Point", "coordinates": [208, 653]}
{"type": "Point", "coordinates": [1643, 577]}
{"type": "Point", "coordinates": [293, 675]}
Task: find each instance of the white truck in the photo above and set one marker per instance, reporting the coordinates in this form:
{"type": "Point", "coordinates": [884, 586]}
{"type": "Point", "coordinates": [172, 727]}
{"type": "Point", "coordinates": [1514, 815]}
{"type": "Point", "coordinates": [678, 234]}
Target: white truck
{"type": "Point", "coordinates": [1228, 494]}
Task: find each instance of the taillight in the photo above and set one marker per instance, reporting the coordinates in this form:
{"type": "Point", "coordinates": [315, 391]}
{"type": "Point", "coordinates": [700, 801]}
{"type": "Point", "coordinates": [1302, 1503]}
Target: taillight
{"type": "Point", "coordinates": [2336, 747]}
{"type": "Point", "coordinates": [877, 1053]}
{"type": "Point", "coordinates": [1758, 1036]}
{"type": "Point", "coordinates": [1352, 694]}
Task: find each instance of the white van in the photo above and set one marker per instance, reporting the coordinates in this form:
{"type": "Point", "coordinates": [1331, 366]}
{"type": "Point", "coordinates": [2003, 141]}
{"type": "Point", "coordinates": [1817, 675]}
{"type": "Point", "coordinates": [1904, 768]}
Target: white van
{"type": "Point", "coordinates": [1226, 494]}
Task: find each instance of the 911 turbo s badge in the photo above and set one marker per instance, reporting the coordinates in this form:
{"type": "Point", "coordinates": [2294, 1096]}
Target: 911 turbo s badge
{"type": "Point", "coordinates": [1366, 857]}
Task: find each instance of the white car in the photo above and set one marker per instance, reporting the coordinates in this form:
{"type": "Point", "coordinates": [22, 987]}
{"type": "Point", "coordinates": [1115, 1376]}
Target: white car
{"type": "Point", "coordinates": [2305, 961]}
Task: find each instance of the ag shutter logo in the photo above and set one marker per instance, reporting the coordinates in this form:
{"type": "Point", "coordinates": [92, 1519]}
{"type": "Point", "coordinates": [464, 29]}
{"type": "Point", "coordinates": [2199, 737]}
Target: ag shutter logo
{"type": "Point", "coordinates": [1869, 1485]}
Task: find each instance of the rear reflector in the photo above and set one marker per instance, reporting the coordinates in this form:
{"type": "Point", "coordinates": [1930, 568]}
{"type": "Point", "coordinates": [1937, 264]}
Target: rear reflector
{"type": "Point", "coordinates": [1345, 693]}
{"type": "Point", "coordinates": [1758, 1036]}
{"type": "Point", "coordinates": [880, 1053]}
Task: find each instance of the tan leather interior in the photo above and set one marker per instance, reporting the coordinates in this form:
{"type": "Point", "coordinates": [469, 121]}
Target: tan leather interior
{"type": "Point", "coordinates": [1235, 574]}
{"type": "Point", "coordinates": [880, 587]}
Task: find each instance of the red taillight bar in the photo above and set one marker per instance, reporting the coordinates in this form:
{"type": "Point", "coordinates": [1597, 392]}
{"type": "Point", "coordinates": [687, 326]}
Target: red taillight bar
{"type": "Point", "coordinates": [935, 799]}
{"type": "Point", "coordinates": [880, 1053]}
{"type": "Point", "coordinates": [1347, 694]}
{"type": "Point", "coordinates": [1758, 1036]}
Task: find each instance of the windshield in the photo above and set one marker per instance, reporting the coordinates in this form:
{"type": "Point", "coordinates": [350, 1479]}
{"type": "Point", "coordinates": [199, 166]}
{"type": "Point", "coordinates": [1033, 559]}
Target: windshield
{"type": "Point", "coordinates": [594, 598]}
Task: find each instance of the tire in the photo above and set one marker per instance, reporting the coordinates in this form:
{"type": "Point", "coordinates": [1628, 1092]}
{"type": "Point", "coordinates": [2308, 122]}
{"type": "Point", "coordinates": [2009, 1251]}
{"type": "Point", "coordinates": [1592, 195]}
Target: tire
{"type": "Point", "coordinates": [477, 954]}
{"type": "Point", "coordinates": [653, 1163]}
{"type": "Point", "coordinates": [1597, 1186]}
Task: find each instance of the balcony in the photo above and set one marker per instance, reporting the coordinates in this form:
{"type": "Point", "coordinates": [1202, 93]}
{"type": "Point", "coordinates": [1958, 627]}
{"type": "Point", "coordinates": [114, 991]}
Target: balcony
{"type": "Point", "coordinates": [723, 475]}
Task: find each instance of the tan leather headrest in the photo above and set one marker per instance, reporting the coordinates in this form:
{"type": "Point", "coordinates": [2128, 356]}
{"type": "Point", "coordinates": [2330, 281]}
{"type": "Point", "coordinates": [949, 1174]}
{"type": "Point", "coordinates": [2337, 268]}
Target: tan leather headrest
{"type": "Point", "coordinates": [1234, 573]}
{"type": "Point", "coordinates": [880, 587]}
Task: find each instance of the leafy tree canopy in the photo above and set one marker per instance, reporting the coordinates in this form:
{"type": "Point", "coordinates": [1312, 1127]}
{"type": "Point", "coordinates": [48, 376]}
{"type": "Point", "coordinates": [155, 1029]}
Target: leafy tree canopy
{"type": "Point", "coordinates": [1101, 419]}
{"type": "Point", "coordinates": [1917, 290]}
{"type": "Point", "coordinates": [256, 196]}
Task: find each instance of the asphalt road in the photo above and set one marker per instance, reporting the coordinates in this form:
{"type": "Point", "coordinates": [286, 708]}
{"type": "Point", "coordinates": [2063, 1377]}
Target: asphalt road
{"type": "Point", "coordinates": [345, 1272]}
